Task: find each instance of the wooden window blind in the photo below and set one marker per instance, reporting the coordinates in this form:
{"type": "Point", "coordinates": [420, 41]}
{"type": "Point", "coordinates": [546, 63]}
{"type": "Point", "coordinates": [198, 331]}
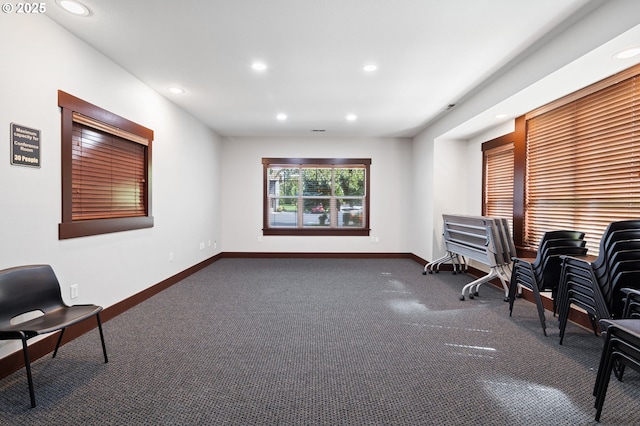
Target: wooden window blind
{"type": "Point", "coordinates": [583, 164]}
{"type": "Point", "coordinates": [106, 171]}
{"type": "Point", "coordinates": [108, 175]}
{"type": "Point", "coordinates": [498, 182]}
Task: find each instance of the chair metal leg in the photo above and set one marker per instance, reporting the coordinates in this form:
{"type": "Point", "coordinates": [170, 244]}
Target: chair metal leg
{"type": "Point", "coordinates": [563, 314]}
{"type": "Point", "coordinates": [27, 364]}
{"type": "Point", "coordinates": [104, 347]}
{"type": "Point", "coordinates": [540, 306]}
{"type": "Point", "coordinates": [513, 288]}
{"type": "Point", "coordinates": [55, 351]}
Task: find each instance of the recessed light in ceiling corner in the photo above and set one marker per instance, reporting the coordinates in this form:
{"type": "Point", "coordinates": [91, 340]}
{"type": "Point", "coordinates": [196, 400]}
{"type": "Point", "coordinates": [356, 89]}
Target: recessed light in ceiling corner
{"type": "Point", "coordinates": [370, 67]}
{"type": "Point", "coordinates": [628, 53]}
{"type": "Point", "coordinates": [502, 115]}
{"type": "Point", "coordinates": [176, 90]}
{"type": "Point", "coordinates": [74, 7]}
{"type": "Point", "coordinates": [352, 117]}
{"type": "Point", "coordinates": [281, 117]}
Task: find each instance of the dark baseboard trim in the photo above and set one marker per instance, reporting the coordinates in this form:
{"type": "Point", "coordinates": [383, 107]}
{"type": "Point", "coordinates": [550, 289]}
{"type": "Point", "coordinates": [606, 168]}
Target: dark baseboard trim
{"type": "Point", "coordinates": [298, 255]}
{"type": "Point", "coordinates": [15, 361]}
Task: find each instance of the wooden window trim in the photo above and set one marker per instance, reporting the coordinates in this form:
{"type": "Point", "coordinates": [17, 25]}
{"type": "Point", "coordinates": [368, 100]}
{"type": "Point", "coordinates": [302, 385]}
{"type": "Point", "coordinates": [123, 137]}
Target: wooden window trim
{"type": "Point", "coordinates": [364, 231]}
{"type": "Point", "coordinates": [499, 142]}
{"type": "Point", "coordinates": [69, 228]}
{"type": "Point", "coordinates": [517, 138]}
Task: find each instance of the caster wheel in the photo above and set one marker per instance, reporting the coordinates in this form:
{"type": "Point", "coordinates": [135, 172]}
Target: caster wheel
{"type": "Point", "coordinates": [506, 299]}
{"type": "Point", "coordinates": [424, 272]}
{"type": "Point", "coordinates": [470, 295]}
{"type": "Point", "coordinates": [437, 272]}
{"type": "Point", "coordinates": [461, 297]}
{"type": "Point", "coordinates": [475, 293]}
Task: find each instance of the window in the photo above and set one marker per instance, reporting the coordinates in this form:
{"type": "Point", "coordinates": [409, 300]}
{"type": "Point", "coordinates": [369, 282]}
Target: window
{"type": "Point", "coordinates": [106, 163]}
{"type": "Point", "coordinates": [583, 160]}
{"type": "Point", "coordinates": [316, 196]}
{"type": "Point", "coordinates": [498, 166]}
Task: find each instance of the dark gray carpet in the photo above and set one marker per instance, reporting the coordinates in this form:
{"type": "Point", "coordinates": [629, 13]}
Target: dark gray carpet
{"type": "Point", "coordinates": [322, 341]}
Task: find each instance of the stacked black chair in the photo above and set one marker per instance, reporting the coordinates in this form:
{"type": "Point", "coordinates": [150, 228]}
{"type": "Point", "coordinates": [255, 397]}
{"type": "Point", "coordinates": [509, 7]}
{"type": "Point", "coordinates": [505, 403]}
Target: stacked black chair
{"type": "Point", "coordinates": [621, 348]}
{"type": "Point", "coordinates": [631, 303]}
{"type": "Point", "coordinates": [631, 310]}
{"type": "Point", "coordinates": [593, 283]}
{"type": "Point", "coordinates": [626, 275]}
{"type": "Point", "coordinates": [543, 272]}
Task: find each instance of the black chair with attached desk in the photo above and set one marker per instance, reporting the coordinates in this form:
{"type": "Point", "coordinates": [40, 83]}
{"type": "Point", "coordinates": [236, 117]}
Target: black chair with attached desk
{"type": "Point", "coordinates": [33, 290]}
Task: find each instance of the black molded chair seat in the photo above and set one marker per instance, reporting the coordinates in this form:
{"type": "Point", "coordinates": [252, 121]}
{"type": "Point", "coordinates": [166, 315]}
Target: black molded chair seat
{"type": "Point", "coordinates": [34, 289]}
{"type": "Point", "coordinates": [54, 320]}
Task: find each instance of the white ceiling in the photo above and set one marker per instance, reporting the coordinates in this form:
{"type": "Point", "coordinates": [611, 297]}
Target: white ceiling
{"type": "Point", "coordinates": [429, 53]}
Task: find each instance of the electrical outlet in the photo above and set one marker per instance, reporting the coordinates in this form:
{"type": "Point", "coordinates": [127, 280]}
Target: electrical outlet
{"type": "Point", "coordinates": [74, 291]}
{"type": "Point", "coordinates": [202, 245]}
{"type": "Point", "coordinates": [170, 256]}
{"type": "Point", "coordinates": [215, 244]}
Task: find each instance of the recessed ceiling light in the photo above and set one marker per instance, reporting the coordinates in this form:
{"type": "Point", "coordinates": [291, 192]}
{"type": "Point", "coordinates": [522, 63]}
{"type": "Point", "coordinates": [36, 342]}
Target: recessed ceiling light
{"type": "Point", "coordinates": [503, 115]}
{"type": "Point", "coordinates": [352, 117]}
{"type": "Point", "coordinates": [176, 90]}
{"type": "Point", "coordinates": [628, 53]}
{"type": "Point", "coordinates": [74, 7]}
{"type": "Point", "coordinates": [370, 68]}
{"type": "Point", "coordinates": [259, 66]}
{"type": "Point", "coordinates": [281, 117]}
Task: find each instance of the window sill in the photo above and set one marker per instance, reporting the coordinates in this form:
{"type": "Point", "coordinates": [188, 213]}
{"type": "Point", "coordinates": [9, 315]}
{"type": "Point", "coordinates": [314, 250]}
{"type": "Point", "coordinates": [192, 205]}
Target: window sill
{"type": "Point", "coordinates": [86, 228]}
{"type": "Point", "coordinates": [318, 232]}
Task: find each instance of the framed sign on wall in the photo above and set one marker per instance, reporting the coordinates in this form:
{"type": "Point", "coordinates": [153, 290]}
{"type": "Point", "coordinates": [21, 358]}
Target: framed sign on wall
{"type": "Point", "coordinates": [25, 146]}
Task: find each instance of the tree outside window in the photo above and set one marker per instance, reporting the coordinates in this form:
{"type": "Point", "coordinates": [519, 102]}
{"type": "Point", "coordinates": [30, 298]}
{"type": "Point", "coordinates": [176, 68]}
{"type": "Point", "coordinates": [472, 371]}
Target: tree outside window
{"type": "Point", "coordinates": [316, 197]}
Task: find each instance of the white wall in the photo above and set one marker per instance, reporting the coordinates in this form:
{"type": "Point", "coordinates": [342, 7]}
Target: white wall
{"type": "Point", "coordinates": [474, 164]}
{"type": "Point", "coordinates": [242, 193]}
{"type": "Point", "coordinates": [39, 58]}
{"type": "Point", "coordinates": [451, 189]}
